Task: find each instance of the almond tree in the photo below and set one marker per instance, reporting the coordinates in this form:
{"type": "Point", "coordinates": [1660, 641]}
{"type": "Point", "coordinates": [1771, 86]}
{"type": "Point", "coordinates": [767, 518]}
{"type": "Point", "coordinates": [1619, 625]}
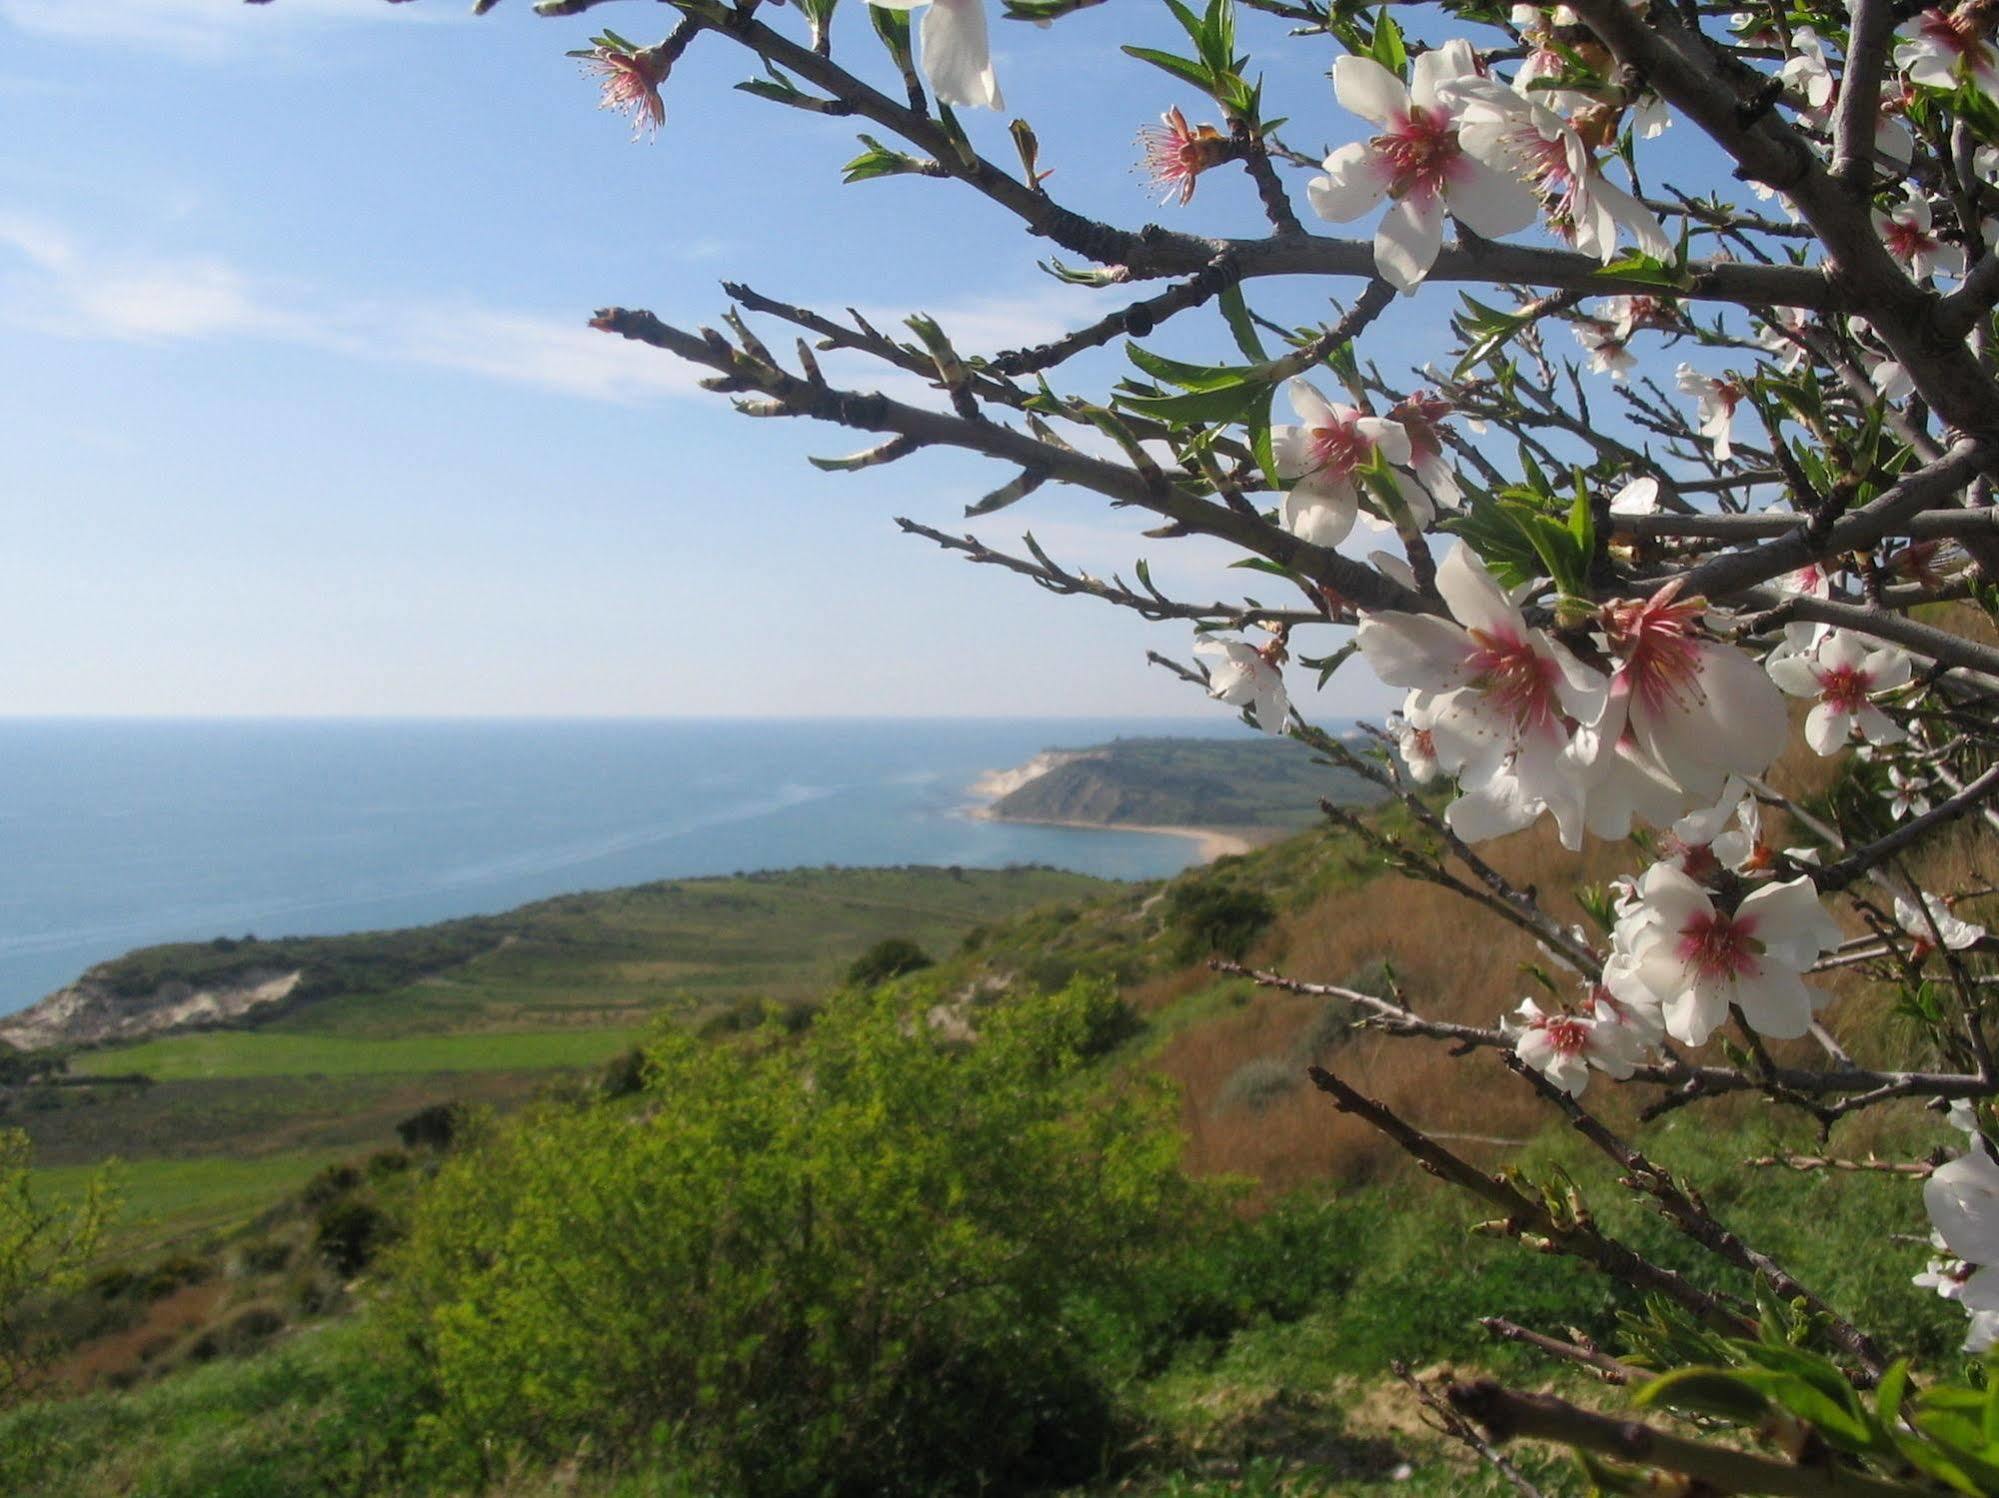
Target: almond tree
{"type": "Point", "coordinates": [1763, 471]}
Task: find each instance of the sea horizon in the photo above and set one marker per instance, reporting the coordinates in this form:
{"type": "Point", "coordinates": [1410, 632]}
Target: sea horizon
{"type": "Point", "coordinates": [128, 831]}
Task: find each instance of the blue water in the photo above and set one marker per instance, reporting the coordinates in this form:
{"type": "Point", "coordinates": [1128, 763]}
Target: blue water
{"type": "Point", "coordinates": [117, 834]}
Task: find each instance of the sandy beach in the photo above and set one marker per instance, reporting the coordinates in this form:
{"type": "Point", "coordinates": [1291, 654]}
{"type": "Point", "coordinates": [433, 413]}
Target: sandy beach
{"type": "Point", "coordinates": [1215, 842]}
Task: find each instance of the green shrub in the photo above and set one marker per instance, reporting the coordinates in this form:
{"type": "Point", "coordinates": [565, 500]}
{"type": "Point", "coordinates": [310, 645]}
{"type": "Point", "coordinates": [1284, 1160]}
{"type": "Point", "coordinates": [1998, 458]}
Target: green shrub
{"type": "Point", "coordinates": [839, 1265]}
{"type": "Point", "coordinates": [1206, 916]}
{"type": "Point", "coordinates": [349, 1235]}
{"type": "Point", "coordinates": [888, 958]}
{"type": "Point", "coordinates": [436, 1127]}
{"type": "Point", "coordinates": [1258, 1083]}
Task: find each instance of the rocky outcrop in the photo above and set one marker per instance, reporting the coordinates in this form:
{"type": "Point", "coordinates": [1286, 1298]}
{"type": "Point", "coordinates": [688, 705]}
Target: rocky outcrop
{"type": "Point", "coordinates": [90, 1010]}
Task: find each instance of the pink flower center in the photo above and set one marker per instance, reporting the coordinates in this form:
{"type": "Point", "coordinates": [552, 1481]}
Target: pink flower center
{"type": "Point", "coordinates": [1716, 947]}
{"type": "Point", "coordinates": [1845, 687]}
{"type": "Point", "coordinates": [1520, 680]}
{"type": "Point", "coordinates": [1697, 860]}
{"type": "Point", "coordinates": [1956, 33]}
{"type": "Point", "coordinates": [1906, 241]}
{"type": "Point", "coordinates": [1339, 448]}
{"type": "Point", "coordinates": [1567, 1035]}
{"type": "Point", "coordinates": [1662, 660]}
{"type": "Point", "coordinates": [1420, 149]}
{"type": "Point", "coordinates": [1176, 153]}
{"type": "Point", "coordinates": [1421, 744]}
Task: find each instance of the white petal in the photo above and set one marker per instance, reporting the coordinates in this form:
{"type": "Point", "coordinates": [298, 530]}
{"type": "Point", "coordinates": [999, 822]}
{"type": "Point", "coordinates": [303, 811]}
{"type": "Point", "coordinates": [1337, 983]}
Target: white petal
{"type": "Point", "coordinates": [1489, 203]}
{"type": "Point", "coordinates": [1369, 90]}
{"type": "Point", "coordinates": [1321, 513]}
{"type": "Point", "coordinates": [1313, 408]}
{"type": "Point", "coordinates": [1413, 650]}
{"type": "Point", "coordinates": [1474, 598]}
{"type": "Point", "coordinates": [1963, 1202]}
{"type": "Point", "coordinates": [1440, 65]}
{"type": "Point", "coordinates": [1356, 179]}
{"type": "Point", "coordinates": [1827, 728]}
{"type": "Point", "coordinates": [1406, 244]}
{"type": "Point", "coordinates": [957, 58]}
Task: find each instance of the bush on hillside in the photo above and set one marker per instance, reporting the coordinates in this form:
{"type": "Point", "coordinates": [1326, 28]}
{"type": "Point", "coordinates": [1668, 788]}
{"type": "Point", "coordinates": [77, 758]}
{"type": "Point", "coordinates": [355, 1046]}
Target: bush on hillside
{"type": "Point", "coordinates": [854, 1285]}
{"type": "Point", "coordinates": [1207, 917]}
{"type": "Point", "coordinates": [888, 958]}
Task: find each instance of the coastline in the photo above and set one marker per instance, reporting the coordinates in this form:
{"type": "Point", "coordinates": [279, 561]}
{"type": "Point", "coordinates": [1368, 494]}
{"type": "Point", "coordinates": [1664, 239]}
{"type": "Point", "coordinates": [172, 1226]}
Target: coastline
{"type": "Point", "coordinates": [1213, 842]}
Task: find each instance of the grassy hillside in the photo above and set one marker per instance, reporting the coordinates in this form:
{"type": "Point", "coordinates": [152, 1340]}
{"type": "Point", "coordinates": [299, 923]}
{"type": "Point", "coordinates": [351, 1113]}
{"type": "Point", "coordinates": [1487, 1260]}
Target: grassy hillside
{"type": "Point", "coordinates": [1251, 782]}
{"type": "Point", "coordinates": [1249, 1355]}
{"type": "Point", "coordinates": [489, 1012]}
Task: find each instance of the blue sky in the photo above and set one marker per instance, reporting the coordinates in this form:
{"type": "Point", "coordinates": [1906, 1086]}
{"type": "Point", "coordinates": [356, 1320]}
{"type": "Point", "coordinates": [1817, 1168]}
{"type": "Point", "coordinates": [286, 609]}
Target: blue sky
{"type": "Point", "coordinates": [303, 417]}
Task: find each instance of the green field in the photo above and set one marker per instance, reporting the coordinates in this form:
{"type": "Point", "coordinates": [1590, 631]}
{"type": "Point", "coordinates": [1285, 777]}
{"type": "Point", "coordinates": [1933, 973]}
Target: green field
{"type": "Point", "coordinates": [490, 1011]}
{"type": "Point", "coordinates": [217, 1054]}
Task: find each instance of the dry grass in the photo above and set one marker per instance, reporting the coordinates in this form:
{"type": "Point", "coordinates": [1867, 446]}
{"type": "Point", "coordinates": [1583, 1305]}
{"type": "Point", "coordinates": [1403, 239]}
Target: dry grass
{"type": "Point", "coordinates": [1457, 962]}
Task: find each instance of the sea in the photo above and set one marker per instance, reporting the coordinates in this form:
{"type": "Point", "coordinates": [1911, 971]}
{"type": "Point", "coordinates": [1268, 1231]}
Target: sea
{"type": "Point", "coordinates": [120, 833]}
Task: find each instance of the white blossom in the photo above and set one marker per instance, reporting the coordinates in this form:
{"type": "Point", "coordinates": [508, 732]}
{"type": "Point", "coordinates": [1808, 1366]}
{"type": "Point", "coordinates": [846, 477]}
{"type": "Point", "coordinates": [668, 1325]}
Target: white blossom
{"type": "Point", "coordinates": [1717, 401]}
{"type": "Point", "coordinates": [1932, 920]}
{"type": "Point", "coordinates": [1417, 162]}
{"type": "Point", "coordinates": [1841, 675]}
{"type": "Point", "coordinates": [1504, 697]}
{"type": "Point", "coordinates": [1323, 455]}
{"type": "Point", "coordinates": [1698, 960]}
{"type": "Point", "coordinates": [1906, 231]}
{"type": "Point", "coordinates": [1244, 676]}
{"type": "Point", "coordinates": [957, 53]}
{"type": "Point", "coordinates": [1563, 1047]}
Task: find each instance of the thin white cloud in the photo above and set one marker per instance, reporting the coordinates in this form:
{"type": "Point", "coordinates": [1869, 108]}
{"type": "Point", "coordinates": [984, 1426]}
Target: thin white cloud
{"type": "Point", "coordinates": [201, 31]}
{"type": "Point", "coordinates": [51, 284]}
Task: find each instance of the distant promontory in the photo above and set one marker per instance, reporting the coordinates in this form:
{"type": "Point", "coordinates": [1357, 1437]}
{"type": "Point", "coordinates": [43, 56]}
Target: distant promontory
{"type": "Point", "coordinates": [1248, 790]}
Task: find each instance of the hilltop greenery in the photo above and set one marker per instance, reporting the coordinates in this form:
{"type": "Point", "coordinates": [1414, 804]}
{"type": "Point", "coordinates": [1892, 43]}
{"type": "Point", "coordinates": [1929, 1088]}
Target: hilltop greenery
{"type": "Point", "coordinates": [1057, 1211]}
{"type": "Point", "coordinates": [1245, 783]}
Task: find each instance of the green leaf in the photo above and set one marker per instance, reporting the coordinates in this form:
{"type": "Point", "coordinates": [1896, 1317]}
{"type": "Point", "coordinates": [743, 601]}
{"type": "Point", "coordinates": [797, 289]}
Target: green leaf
{"type": "Point", "coordinates": [1188, 376]}
{"type": "Point", "coordinates": [1646, 268]}
{"type": "Point", "coordinates": [1259, 564]}
{"type": "Point", "coordinates": [1209, 407]}
{"type": "Point", "coordinates": [1388, 49]}
{"type": "Point", "coordinates": [1708, 1391]}
{"type": "Point", "coordinates": [1182, 68]}
{"type": "Point", "coordinates": [1235, 311]}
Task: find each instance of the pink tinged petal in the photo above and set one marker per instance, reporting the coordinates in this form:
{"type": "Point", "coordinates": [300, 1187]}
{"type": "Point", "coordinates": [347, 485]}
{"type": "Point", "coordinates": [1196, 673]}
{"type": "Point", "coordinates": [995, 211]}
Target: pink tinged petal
{"type": "Point", "coordinates": [1963, 1202]}
{"type": "Point", "coordinates": [1981, 1291]}
{"type": "Point", "coordinates": [1634, 216]}
{"type": "Point", "coordinates": [1356, 179]}
{"type": "Point", "coordinates": [1439, 66]}
{"type": "Point", "coordinates": [1414, 650]}
{"type": "Point", "coordinates": [1827, 728]}
{"type": "Point", "coordinates": [1474, 599]}
{"type": "Point", "coordinates": [1488, 202]}
{"type": "Point", "coordinates": [1692, 1014]}
{"type": "Point", "coordinates": [1313, 408]}
{"type": "Point", "coordinates": [1887, 669]}
{"type": "Point", "coordinates": [1794, 674]}
{"type": "Point", "coordinates": [957, 57]}
{"type": "Point", "coordinates": [1320, 512]}
{"type": "Point", "coordinates": [1776, 1002]}
{"type": "Point", "coordinates": [1364, 87]}
{"type": "Point", "coordinates": [1581, 690]}
{"type": "Point", "coordinates": [1876, 726]}
{"type": "Point", "coordinates": [1672, 897]}
{"type": "Point", "coordinates": [1790, 922]}
{"type": "Point", "coordinates": [1746, 709]}
{"type": "Point", "coordinates": [1292, 447]}
{"type": "Point", "coordinates": [1406, 244]}
{"type": "Point", "coordinates": [1389, 436]}
{"type": "Point", "coordinates": [1493, 810]}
